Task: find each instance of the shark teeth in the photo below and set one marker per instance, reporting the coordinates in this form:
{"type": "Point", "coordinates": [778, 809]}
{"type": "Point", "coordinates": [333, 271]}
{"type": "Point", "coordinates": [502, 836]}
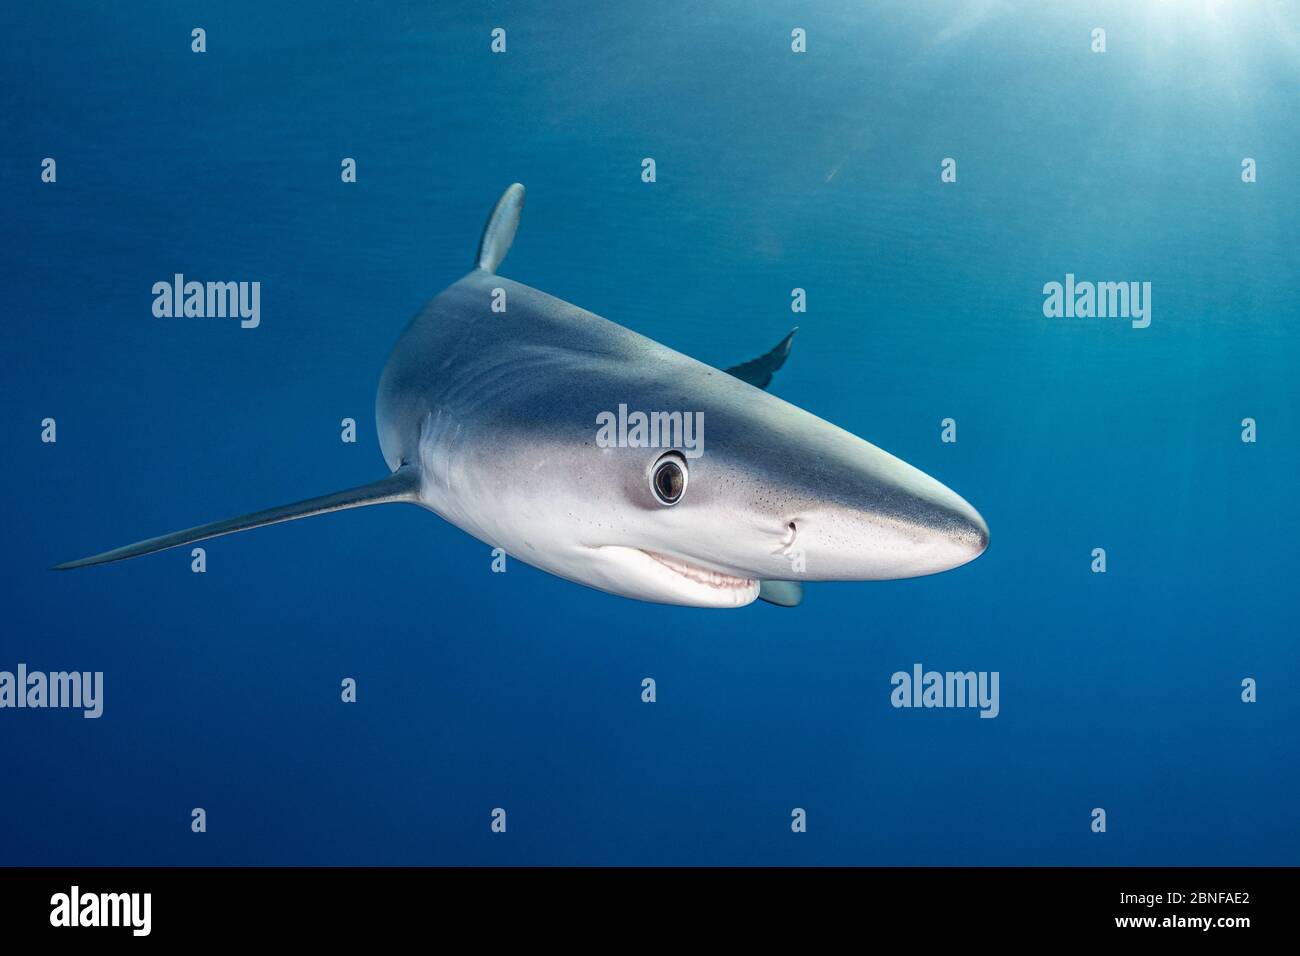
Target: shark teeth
{"type": "Point", "coordinates": [713, 579]}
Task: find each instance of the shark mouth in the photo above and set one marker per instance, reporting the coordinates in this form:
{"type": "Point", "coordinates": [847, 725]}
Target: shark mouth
{"type": "Point", "coordinates": [655, 576]}
{"type": "Point", "coordinates": [713, 579]}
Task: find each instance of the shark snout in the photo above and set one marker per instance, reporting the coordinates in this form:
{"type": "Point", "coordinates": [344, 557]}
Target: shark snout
{"type": "Point", "coordinates": [897, 524]}
{"type": "Point", "coordinates": [962, 534]}
{"type": "Point", "coordinates": [925, 537]}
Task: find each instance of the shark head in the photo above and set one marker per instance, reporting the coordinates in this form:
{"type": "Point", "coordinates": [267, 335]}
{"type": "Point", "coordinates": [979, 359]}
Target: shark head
{"type": "Point", "coordinates": [774, 494]}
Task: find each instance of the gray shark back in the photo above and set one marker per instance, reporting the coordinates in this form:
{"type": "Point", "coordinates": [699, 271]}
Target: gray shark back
{"type": "Point", "coordinates": [458, 357]}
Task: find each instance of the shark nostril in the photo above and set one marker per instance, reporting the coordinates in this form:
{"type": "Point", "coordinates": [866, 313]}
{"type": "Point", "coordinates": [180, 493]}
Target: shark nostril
{"type": "Point", "coordinates": [792, 532]}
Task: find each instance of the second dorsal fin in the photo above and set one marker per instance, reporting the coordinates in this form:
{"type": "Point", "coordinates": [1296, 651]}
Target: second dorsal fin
{"type": "Point", "coordinates": [758, 372]}
{"type": "Point", "coordinates": [499, 232]}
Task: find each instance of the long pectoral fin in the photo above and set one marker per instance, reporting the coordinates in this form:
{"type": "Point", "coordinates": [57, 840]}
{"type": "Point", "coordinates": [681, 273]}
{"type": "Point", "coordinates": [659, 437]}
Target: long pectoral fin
{"type": "Point", "coordinates": [781, 593]}
{"type": "Point", "coordinates": [401, 485]}
{"type": "Point", "coordinates": [758, 372]}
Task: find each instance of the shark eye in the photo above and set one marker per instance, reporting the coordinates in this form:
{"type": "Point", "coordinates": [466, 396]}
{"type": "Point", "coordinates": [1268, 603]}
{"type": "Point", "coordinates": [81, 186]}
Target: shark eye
{"type": "Point", "coordinates": [668, 479]}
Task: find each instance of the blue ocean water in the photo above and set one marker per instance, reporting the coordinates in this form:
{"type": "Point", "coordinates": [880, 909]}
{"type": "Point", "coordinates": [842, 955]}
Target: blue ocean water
{"type": "Point", "coordinates": [775, 170]}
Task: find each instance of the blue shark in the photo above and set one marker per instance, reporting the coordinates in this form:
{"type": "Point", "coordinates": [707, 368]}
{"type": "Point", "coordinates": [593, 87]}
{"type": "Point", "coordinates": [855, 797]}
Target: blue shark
{"type": "Point", "coordinates": [488, 413]}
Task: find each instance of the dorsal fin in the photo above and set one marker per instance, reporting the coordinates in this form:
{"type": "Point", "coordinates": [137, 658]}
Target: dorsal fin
{"type": "Point", "coordinates": [758, 372]}
{"type": "Point", "coordinates": [499, 232]}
